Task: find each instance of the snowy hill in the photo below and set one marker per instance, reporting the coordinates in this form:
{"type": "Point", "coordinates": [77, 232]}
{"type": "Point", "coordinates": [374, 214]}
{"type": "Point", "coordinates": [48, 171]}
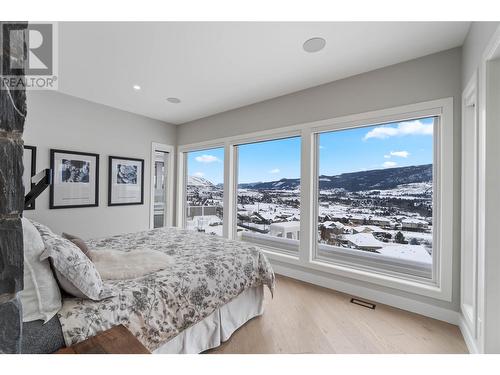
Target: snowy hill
{"type": "Point", "coordinates": [283, 184]}
{"type": "Point", "coordinates": [377, 179]}
{"type": "Point", "coordinates": [194, 181]}
{"type": "Point", "coordinates": [249, 185]}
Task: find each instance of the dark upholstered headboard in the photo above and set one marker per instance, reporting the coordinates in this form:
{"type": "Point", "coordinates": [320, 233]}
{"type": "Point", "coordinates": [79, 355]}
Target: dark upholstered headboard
{"type": "Point", "coordinates": [39, 338]}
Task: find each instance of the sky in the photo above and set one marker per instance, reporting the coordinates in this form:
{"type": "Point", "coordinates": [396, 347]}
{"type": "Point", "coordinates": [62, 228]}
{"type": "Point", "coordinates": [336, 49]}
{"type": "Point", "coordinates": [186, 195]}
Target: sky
{"type": "Point", "coordinates": [372, 147]}
{"type": "Point", "coordinates": [269, 161]}
{"type": "Point", "coordinates": [376, 147]}
{"type": "Point", "coordinates": [208, 164]}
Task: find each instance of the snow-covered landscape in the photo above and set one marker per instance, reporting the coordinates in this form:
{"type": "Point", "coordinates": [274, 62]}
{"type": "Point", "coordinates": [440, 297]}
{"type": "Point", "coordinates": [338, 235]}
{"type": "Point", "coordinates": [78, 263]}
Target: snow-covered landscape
{"type": "Point", "coordinates": [383, 211]}
{"type": "Point", "coordinates": [204, 210]}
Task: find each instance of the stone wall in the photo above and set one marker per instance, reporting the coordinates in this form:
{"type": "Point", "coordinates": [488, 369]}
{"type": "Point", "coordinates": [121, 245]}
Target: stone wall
{"type": "Point", "coordinates": [11, 207]}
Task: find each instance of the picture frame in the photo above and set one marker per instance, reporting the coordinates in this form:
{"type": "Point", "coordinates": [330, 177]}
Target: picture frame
{"type": "Point", "coordinates": [125, 181]}
{"type": "Point", "coordinates": [75, 179]}
{"type": "Point", "coordinates": [29, 161]}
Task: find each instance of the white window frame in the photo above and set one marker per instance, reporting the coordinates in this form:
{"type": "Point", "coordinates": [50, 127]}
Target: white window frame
{"type": "Point", "coordinates": [169, 191]}
{"type": "Point", "coordinates": [441, 286]}
{"type": "Point", "coordinates": [182, 152]}
{"type": "Point", "coordinates": [291, 251]}
{"type": "Point", "coordinates": [365, 262]}
{"type": "Point", "coordinates": [469, 204]}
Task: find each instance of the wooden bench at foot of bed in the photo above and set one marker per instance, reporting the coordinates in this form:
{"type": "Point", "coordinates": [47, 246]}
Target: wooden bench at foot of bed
{"type": "Point", "coordinates": [117, 340]}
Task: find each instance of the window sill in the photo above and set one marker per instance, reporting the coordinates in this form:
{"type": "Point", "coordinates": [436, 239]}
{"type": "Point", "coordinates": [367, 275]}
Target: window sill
{"type": "Point", "coordinates": [374, 262]}
{"type": "Point", "coordinates": [414, 285]}
{"type": "Point", "coordinates": [282, 246]}
{"type": "Point", "coordinates": [378, 277]}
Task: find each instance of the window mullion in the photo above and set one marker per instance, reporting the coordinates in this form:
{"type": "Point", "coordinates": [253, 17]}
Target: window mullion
{"type": "Point", "coordinates": [230, 181]}
{"type": "Point", "coordinates": [307, 206]}
{"type": "Point", "coordinates": [181, 189]}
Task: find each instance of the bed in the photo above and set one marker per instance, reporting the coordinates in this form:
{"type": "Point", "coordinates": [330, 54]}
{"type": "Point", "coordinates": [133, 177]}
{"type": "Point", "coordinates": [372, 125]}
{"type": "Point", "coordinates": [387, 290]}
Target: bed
{"type": "Point", "coordinates": [211, 287]}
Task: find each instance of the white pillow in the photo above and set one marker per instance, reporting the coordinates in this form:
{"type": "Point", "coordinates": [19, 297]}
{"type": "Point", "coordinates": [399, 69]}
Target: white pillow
{"type": "Point", "coordinates": [41, 298]}
{"type": "Point", "coordinates": [75, 272]}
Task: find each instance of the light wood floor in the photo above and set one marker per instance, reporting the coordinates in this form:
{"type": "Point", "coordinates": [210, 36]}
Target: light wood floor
{"type": "Point", "coordinates": [304, 318]}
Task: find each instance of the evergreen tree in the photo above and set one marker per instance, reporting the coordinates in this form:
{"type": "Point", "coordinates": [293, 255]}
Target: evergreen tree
{"type": "Point", "coordinates": [414, 241]}
{"type": "Point", "coordinates": [399, 238]}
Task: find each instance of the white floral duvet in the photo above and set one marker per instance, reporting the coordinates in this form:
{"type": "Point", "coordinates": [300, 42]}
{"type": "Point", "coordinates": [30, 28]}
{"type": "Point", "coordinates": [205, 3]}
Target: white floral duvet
{"type": "Point", "coordinates": [207, 272]}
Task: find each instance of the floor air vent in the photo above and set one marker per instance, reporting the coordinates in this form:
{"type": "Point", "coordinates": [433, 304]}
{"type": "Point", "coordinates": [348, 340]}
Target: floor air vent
{"type": "Point", "coordinates": [359, 302]}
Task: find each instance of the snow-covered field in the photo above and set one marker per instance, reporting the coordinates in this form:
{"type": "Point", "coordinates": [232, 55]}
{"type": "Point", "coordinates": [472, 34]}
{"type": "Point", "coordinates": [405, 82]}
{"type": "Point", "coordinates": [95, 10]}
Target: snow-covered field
{"type": "Point", "coordinates": [382, 216]}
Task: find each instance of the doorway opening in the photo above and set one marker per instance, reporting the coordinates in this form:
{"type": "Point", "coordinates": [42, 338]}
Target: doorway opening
{"type": "Point", "coordinates": [161, 186]}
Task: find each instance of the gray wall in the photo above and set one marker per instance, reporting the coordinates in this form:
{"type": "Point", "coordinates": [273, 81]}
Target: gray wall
{"type": "Point", "coordinates": [431, 77]}
{"type": "Point", "coordinates": [474, 45]}
{"type": "Point", "coordinates": [427, 78]}
{"type": "Point", "coordinates": [64, 122]}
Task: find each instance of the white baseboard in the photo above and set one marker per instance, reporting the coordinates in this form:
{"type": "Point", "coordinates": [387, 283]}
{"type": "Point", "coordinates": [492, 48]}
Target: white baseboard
{"type": "Point", "coordinates": [469, 340]}
{"type": "Point", "coordinates": [435, 312]}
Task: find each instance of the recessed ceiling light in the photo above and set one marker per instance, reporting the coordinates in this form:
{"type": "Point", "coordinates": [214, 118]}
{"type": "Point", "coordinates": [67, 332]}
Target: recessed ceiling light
{"type": "Point", "coordinates": [314, 44]}
{"type": "Point", "coordinates": [173, 100]}
{"type": "Point", "coordinates": [136, 87]}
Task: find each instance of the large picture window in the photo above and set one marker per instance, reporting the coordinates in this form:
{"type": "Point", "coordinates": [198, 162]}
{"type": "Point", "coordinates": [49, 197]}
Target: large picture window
{"type": "Point", "coordinates": [367, 196]}
{"type": "Point", "coordinates": [375, 196]}
{"type": "Point", "coordinates": [205, 191]}
{"type": "Point", "coordinates": [268, 195]}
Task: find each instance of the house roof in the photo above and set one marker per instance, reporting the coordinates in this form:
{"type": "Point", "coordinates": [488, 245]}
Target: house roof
{"type": "Point", "coordinates": [414, 221]}
{"type": "Point", "coordinates": [416, 253]}
{"type": "Point", "coordinates": [287, 225]}
{"type": "Point", "coordinates": [364, 240]}
{"type": "Point", "coordinates": [380, 218]}
{"type": "Point", "coordinates": [336, 224]}
{"type": "Point", "coordinates": [372, 228]}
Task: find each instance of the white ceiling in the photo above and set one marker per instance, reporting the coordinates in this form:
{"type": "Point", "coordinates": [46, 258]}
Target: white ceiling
{"type": "Point", "coordinates": [215, 67]}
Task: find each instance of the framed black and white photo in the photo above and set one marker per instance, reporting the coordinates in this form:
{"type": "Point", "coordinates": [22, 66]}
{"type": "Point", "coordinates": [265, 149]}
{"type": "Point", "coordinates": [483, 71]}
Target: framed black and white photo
{"type": "Point", "coordinates": [29, 161]}
{"type": "Point", "coordinates": [126, 181]}
{"type": "Point", "coordinates": [75, 179]}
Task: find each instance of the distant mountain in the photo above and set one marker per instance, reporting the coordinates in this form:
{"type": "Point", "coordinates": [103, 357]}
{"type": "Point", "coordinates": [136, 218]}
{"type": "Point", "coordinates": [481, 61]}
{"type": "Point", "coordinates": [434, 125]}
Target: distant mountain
{"type": "Point", "coordinates": [195, 181]}
{"type": "Point", "coordinates": [377, 179]}
{"type": "Point", "coordinates": [250, 185]}
{"type": "Point", "coordinates": [283, 184]}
